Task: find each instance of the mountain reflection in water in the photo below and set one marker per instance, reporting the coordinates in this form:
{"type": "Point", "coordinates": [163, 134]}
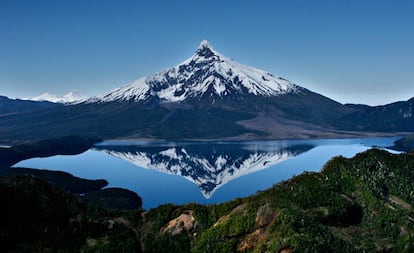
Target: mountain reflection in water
{"type": "Point", "coordinates": [207, 165]}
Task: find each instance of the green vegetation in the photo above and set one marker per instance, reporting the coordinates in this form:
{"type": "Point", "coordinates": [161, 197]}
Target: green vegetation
{"type": "Point", "coordinates": [353, 205]}
{"type": "Point", "coordinates": [39, 217]}
{"type": "Point", "coordinates": [114, 198]}
{"type": "Point", "coordinates": [362, 204]}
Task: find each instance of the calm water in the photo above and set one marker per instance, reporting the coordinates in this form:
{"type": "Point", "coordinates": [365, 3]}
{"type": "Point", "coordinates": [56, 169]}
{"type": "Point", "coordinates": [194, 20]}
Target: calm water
{"type": "Point", "coordinates": [202, 172]}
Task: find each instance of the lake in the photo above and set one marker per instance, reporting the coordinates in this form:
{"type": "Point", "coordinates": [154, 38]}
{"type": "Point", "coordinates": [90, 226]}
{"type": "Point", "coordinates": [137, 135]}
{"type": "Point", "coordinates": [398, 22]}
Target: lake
{"type": "Point", "coordinates": [202, 172]}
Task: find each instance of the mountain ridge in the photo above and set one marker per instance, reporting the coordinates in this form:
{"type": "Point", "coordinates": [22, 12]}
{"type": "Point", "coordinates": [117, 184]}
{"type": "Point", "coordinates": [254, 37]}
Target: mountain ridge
{"type": "Point", "coordinates": [10, 106]}
{"type": "Point", "coordinates": [208, 96]}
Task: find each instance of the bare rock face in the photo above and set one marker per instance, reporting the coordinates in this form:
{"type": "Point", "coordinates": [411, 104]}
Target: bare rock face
{"type": "Point", "coordinates": [183, 223]}
{"type": "Point", "coordinates": [264, 215]}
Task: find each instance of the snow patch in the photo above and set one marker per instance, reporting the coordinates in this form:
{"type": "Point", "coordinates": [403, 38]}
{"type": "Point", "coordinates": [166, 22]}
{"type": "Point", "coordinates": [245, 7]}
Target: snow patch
{"type": "Point", "coordinates": [70, 97]}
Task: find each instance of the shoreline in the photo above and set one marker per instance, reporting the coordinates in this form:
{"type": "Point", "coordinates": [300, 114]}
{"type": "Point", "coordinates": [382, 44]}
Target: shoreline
{"type": "Point", "coordinates": [353, 135]}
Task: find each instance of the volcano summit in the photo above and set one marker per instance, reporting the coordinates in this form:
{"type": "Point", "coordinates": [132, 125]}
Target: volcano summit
{"type": "Point", "coordinates": [208, 96]}
{"type": "Point", "coordinates": [207, 74]}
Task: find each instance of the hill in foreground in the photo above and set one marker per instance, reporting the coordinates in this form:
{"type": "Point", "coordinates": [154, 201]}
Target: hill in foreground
{"type": "Point", "coordinates": [362, 204]}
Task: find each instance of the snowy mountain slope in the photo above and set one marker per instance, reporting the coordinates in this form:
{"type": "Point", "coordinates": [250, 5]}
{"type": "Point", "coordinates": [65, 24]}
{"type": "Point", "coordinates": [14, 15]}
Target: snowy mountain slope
{"type": "Point", "coordinates": [208, 169]}
{"type": "Point", "coordinates": [206, 74]}
{"type": "Point", "coordinates": [208, 96]}
{"type": "Point", "coordinates": [70, 97]}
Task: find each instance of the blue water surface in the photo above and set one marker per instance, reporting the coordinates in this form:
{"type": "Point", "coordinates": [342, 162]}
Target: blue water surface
{"type": "Point", "coordinates": [157, 187]}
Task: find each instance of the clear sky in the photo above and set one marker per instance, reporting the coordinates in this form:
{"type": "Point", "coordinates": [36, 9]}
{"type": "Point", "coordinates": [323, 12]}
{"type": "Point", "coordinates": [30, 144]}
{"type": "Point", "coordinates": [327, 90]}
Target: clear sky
{"type": "Point", "coordinates": [354, 51]}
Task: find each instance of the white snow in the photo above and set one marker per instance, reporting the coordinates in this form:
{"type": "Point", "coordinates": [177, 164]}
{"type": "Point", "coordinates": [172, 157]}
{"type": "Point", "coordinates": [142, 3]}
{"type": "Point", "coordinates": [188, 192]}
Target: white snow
{"type": "Point", "coordinates": [220, 162]}
{"type": "Point", "coordinates": [185, 81]}
{"type": "Point", "coordinates": [70, 97]}
{"type": "Point", "coordinates": [46, 97]}
{"type": "Point", "coordinates": [135, 90]}
{"type": "Point", "coordinates": [172, 153]}
{"type": "Point", "coordinates": [204, 43]}
{"type": "Point", "coordinates": [218, 172]}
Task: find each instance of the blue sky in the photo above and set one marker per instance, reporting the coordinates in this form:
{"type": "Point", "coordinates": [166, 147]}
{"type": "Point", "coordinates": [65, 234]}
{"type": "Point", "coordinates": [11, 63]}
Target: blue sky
{"type": "Point", "coordinates": [354, 51]}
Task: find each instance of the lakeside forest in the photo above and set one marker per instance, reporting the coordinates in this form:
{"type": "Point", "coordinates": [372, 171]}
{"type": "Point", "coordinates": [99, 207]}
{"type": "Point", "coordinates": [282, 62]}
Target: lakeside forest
{"type": "Point", "coordinates": [364, 203]}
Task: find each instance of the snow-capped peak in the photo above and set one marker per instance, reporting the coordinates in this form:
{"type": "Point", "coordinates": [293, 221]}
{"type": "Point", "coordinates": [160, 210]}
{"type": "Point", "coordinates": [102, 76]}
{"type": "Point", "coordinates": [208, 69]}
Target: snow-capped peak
{"type": "Point", "coordinates": [204, 44]}
{"type": "Point", "coordinates": [70, 97]}
{"type": "Point", "coordinates": [206, 50]}
{"type": "Point", "coordinates": [207, 74]}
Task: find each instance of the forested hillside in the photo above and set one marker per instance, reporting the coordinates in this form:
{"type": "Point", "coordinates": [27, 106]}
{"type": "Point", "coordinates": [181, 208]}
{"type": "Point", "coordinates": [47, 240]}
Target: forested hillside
{"type": "Point", "coordinates": [362, 204]}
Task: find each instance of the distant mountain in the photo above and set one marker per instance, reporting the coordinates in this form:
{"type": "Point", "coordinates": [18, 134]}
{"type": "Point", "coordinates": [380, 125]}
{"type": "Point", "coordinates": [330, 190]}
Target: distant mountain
{"type": "Point", "coordinates": [210, 96]}
{"type": "Point", "coordinates": [398, 116]}
{"type": "Point", "coordinates": [208, 168]}
{"type": "Point", "coordinates": [70, 97]}
{"type": "Point", "coordinates": [10, 106]}
{"type": "Point", "coordinates": [210, 91]}
{"type": "Point", "coordinates": [210, 80]}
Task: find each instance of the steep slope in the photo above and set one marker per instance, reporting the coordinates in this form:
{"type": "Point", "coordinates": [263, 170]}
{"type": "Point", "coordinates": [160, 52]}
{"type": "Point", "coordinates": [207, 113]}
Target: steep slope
{"type": "Point", "coordinates": [208, 96]}
{"type": "Point", "coordinates": [362, 204]}
{"type": "Point", "coordinates": [207, 74]}
{"type": "Point", "coordinates": [209, 79]}
{"type": "Point", "coordinates": [205, 93]}
{"type": "Point", "coordinates": [209, 82]}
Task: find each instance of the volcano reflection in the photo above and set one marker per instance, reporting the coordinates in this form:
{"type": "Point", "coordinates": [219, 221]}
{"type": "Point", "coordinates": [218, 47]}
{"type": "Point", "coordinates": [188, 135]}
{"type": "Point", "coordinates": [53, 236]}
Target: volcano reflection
{"type": "Point", "coordinates": [206, 165]}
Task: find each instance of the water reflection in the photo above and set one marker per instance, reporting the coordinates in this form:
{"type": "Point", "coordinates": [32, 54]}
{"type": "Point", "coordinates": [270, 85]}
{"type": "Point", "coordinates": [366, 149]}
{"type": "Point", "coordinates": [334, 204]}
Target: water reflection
{"type": "Point", "coordinates": [207, 165]}
{"type": "Point", "coordinates": [212, 165]}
